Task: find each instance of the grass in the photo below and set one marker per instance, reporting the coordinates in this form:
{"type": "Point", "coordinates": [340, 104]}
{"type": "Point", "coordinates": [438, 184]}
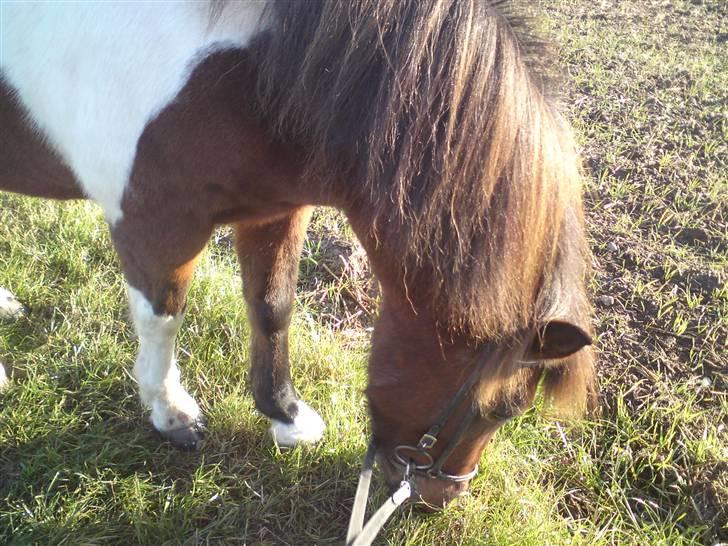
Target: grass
{"type": "Point", "coordinates": [79, 464]}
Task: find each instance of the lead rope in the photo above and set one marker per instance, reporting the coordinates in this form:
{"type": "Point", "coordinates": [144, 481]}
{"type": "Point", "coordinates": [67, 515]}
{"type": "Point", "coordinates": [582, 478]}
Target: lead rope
{"type": "Point", "coordinates": [359, 534]}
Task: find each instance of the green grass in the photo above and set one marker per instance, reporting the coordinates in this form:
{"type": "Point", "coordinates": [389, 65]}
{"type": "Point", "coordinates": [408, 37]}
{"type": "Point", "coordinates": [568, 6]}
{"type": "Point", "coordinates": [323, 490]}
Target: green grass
{"type": "Point", "coordinates": [79, 463]}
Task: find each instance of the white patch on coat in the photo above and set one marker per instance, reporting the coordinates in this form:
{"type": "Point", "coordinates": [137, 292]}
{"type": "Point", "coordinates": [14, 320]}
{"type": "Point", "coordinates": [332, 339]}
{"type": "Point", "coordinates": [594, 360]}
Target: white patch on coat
{"type": "Point", "coordinates": [156, 369]}
{"type": "Point", "coordinates": [93, 74]}
{"type": "Point", "coordinates": [307, 427]}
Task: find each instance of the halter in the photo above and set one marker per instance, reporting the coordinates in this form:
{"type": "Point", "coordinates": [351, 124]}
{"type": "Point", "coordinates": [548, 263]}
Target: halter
{"type": "Point", "coordinates": [359, 534]}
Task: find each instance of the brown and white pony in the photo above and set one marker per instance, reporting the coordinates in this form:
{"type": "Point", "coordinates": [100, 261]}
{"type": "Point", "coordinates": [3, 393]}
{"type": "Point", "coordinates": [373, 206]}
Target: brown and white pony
{"type": "Point", "coordinates": [420, 119]}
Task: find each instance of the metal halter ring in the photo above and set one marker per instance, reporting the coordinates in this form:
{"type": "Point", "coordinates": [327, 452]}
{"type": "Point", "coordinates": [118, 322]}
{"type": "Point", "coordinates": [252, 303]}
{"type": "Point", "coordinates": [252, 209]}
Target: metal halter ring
{"type": "Point", "coordinates": [408, 462]}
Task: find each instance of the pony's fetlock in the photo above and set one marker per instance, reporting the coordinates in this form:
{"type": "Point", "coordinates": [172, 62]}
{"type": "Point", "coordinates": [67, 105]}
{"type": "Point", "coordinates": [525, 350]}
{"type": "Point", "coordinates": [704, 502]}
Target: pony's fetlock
{"type": "Point", "coordinates": [177, 417]}
{"type": "Point", "coordinates": [307, 427]}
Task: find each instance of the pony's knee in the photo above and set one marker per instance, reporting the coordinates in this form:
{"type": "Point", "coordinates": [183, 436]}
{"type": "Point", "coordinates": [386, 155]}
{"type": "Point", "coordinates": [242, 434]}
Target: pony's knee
{"type": "Point", "coordinates": [307, 427]}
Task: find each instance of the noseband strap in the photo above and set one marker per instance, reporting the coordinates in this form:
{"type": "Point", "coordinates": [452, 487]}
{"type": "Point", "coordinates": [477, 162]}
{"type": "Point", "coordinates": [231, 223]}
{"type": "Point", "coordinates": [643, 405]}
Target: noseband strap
{"type": "Point", "coordinates": [359, 534]}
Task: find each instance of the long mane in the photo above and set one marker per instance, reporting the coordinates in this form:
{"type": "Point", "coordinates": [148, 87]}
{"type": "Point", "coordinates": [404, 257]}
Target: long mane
{"type": "Point", "coordinates": [426, 113]}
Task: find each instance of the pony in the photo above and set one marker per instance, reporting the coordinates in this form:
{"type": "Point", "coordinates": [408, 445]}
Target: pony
{"type": "Point", "coordinates": [427, 122]}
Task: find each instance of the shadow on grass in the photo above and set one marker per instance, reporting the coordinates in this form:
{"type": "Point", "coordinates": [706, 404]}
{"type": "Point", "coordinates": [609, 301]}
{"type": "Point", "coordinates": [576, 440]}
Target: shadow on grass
{"type": "Point", "coordinates": [117, 482]}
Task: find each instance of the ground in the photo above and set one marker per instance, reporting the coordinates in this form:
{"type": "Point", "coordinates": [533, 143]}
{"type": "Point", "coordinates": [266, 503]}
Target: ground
{"type": "Point", "coordinates": [645, 85]}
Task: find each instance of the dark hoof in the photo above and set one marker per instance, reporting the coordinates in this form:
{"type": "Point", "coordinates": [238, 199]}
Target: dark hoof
{"type": "Point", "coordinates": [185, 438]}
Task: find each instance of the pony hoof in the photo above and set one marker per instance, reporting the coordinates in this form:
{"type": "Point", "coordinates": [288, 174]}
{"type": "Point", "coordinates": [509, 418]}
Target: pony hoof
{"type": "Point", "coordinates": [185, 438]}
{"type": "Point", "coordinates": [10, 307]}
{"type": "Point", "coordinates": [307, 427]}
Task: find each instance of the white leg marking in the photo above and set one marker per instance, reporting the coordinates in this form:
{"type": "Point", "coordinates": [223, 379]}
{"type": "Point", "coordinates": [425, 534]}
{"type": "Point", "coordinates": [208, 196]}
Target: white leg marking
{"type": "Point", "coordinates": [156, 368]}
{"type": "Point", "coordinates": [307, 427]}
{"type": "Point", "coordinates": [10, 308]}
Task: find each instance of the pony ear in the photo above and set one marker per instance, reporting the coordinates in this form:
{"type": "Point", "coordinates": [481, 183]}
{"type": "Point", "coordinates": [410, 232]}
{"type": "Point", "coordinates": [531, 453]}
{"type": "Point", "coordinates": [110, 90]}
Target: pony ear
{"type": "Point", "coordinates": [557, 339]}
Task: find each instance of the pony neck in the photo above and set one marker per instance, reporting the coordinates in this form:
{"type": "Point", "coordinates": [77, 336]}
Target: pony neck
{"type": "Point", "coordinates": [390, 267]}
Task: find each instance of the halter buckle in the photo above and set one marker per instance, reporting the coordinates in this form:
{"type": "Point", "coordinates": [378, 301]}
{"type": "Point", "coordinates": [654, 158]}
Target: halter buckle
{"type": "Point", "coordinates": [427, 441]}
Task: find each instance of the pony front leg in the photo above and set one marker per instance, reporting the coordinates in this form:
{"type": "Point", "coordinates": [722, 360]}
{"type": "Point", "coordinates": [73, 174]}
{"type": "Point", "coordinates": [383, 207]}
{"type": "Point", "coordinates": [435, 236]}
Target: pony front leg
{"type": "Point", "coordinates": [158, 256]}
{"type": "Point", "coordinates": [269, 257]}
{"type": "Point", "coordinates": [174, 413]}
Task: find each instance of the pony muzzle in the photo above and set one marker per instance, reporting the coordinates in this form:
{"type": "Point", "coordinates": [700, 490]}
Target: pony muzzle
{"type": "Point", "coordinates": [429, 493]}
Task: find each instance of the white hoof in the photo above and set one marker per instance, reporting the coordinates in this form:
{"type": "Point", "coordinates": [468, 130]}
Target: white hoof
{"type": "Point", "coordinates": [307, 427]}
{"type": "Point", "coordinates": [10, 307]}
{"type": "Point", "coordinates": [3, 378]}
